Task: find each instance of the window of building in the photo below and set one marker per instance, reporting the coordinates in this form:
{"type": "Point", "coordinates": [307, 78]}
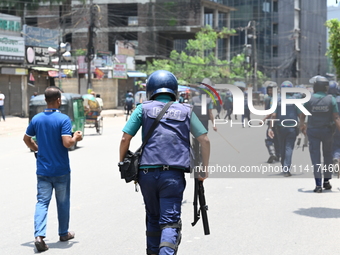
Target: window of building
{"type": "Point", "coordinates": [133, 21]}
{"type": "Point", "coordinates": [275, 52]}
{"type": "Point", "coordinates": [275, 28]}
{"type": "Point", "coordinates": [209, 19]}
{"type": "Point", "coordinates": [31, 21]}
{"type": "Point", "coordinates": [275, 6]}
{"type": "Point", "coordinates": [122, 14]}
{"type": "Point", "coordinates": [266, 7]}
{"type": "Point", "coordinates": [222, 20]}
{"type": "Point", "coordinates": [180, 44]}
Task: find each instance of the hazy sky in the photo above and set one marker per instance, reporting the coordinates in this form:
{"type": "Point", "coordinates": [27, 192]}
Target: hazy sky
{"type": "Point", "coordinates": [331, 2]}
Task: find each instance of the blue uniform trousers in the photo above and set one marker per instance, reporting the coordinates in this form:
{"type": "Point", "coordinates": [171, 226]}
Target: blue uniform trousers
{"type": "Point", "coordinates": [162, 193]}
{"type": "Point", "coordinates": [287, 137]}
{"type": "Point", "coordinates": [316, 136]}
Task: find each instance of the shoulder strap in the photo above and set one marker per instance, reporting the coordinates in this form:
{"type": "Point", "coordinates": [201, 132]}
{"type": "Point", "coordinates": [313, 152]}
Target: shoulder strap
{"type": "Point", "coordinates": [155, 123]}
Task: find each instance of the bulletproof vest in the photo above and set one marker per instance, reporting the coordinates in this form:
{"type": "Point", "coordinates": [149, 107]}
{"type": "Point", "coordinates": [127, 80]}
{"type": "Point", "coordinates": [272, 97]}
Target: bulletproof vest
{"type": "Point", "coordinates": [197, 108]}
{"type": "Point", "coordinates": [291, 114]}
{"type": "Point", "coordinates": [321, 110]}
{"type": "Point", "coordinates": [170, 142]}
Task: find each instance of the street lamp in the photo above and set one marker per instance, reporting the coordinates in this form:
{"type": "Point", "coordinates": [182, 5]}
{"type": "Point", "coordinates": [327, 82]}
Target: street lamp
{"type": "Point", "coordinates": [63, 52]}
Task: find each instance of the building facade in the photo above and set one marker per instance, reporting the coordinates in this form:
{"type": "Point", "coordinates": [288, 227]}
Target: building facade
{"type": "Point", "coordinates": [290, 36]}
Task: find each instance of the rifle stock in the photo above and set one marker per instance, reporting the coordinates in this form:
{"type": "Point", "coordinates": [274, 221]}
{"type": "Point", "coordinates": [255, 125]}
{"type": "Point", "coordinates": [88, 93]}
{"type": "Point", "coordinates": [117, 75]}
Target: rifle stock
{"type": "Point", "coordinates": [202, 211]}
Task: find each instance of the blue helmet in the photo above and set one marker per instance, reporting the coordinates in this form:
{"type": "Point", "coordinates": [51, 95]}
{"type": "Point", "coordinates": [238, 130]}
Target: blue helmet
{"type": "Point", "coordinates": [161, 82]}
{"type": "Point", "coordinates": [333, 88]}
{"type": "Point", "coordinates": [287, 84]}
{"type": "Point", "coordinates": [320, 83]}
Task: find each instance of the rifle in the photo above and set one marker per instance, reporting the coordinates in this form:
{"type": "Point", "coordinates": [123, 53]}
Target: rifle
{"type": "Point", "coordinates": [199, 193]}
{"type": "Point", "coordinates": [305, 142]}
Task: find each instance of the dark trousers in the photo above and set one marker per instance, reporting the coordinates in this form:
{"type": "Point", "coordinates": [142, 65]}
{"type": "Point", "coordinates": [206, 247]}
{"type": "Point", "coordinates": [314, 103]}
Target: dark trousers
{"type": "Point", "coordinates": [273, 141]}
{"type": "Point", "coordinates": [162, 193]}
{"type": "Point", "coordinates": [287, 137]}
{"type": "Point", "coordinates": [316, 137]}
{"type": "Point", "coordinates": [228, 114]}
{"type": "Point", "coordinates": [2, 110]}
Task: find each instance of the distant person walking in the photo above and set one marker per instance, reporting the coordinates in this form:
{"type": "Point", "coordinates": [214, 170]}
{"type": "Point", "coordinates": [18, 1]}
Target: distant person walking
{"type": "Point", "coordinates": [129, 102]}
{"type": "Point", "coordinates": [34, 95]}
{"type": "Point", "coordinates": [2, 102]}
{"type": "Point", "coordinates": [53, 130]}
{"type": "Point", "coordinates": [100, 101]}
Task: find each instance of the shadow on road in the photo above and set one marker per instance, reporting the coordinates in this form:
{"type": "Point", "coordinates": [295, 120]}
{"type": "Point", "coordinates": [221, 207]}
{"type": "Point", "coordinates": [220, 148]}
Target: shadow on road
{"type": "Point", "coordinates": [56, 245]}
{"type": "Point", "coordinates": [319, 212]}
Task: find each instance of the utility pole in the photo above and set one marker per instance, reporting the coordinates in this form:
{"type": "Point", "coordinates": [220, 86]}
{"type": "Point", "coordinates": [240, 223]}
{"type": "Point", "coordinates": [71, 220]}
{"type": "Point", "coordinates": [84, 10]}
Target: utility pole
{"type": "Point", "coordinates": [319, 60]}
{"type": "Point", "coordinates": [90, 46]}
{"type": "Point", "coordinates": [59, 53]}
{"type": "Point", "coordinates": [255, 56]}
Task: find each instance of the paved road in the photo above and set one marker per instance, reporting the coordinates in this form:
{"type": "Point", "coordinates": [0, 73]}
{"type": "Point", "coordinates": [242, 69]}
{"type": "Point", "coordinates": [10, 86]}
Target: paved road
{"type": "Point", "coordinates": [265, 214]}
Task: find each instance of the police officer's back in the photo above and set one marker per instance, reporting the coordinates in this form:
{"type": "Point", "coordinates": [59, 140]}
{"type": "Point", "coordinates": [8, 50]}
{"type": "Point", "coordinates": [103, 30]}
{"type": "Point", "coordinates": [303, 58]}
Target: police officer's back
{"type": "Point", "coordinates": [165, 158]}
{"type": "Point", "coordinates": [324, 111]}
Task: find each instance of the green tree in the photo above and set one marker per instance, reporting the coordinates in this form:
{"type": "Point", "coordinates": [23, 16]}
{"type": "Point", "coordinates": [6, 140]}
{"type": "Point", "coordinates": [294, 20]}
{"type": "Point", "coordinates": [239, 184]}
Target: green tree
{"type": "Point", "coordinates": [334, 43]}
{"type": "Point", "coordinates": [198, 61]}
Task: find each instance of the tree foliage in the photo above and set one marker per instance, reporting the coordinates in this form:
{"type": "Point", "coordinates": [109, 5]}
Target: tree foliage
{"type": "Point", "coordinates": [334, 43]}
{"type": "Point", "coordinates": [198, 61]}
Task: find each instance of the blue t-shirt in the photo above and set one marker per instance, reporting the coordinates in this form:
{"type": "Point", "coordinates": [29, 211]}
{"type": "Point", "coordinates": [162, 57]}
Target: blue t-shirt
{"type": "Point", "coordinates": [48, 127]}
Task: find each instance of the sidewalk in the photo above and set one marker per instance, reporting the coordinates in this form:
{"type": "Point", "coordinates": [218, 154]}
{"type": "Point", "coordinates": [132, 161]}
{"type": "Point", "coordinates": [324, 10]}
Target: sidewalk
{"type": "Point", "coordinates": [14, 125]}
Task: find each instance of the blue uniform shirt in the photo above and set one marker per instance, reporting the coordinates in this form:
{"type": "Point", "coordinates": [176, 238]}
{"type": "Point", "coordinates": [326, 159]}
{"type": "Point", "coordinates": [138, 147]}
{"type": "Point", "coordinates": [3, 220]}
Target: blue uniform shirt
{"type": "Point", "coordinates": [49, 127]}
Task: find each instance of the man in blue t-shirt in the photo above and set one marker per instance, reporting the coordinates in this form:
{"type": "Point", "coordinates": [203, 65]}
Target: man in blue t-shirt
{"type": "Point", "coordinates": [52, 130]}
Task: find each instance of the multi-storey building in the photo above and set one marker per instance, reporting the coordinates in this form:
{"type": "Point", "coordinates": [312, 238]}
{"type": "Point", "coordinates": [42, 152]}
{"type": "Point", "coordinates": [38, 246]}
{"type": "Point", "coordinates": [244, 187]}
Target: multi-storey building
{"type": "Point", "coordinates": [290, 36]}
{"type": "Point", "coordinates": [154, 28]}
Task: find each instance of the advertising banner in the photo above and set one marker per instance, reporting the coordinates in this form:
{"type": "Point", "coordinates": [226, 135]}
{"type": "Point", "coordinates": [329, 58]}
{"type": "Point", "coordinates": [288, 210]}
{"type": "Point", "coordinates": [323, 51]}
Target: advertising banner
{"type": "Point", "coordinates": [119, 71]}
{"type": "Point", "coordinates": [12, 49]}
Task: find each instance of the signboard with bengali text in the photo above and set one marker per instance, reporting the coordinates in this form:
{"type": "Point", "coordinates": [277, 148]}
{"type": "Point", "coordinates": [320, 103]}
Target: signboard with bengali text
{"type": "Point", "coordinates": [40, 37]}
{"type": "Point", "coordinates": [119, 71]}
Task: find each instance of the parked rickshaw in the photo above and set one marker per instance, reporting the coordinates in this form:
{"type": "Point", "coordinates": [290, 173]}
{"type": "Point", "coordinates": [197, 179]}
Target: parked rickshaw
{"type": "Point", "coordinates": [92, 113]}
{"type": "Point", "coordinates": [71, 105]}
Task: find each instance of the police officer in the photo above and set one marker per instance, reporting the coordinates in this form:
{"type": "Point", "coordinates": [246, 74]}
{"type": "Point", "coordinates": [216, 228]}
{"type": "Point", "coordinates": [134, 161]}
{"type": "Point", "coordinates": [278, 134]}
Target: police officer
{"type": "Point", "coordinates": [164, 160]}
{"type": "Point", "coordinates": [334, 91]}
{"type": "Point", "coordinates": [287, 130]}
{"type": "Point", "coordinates": [228, 105]}
{"type": "Point", "coordinates": [272, 144]}
{"type": "Point", "coordinates": [246, 114]}
{"type": "Point", "coordinates": [197, 109]}
{"type": "Point", "coordinates": [324, 111]}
